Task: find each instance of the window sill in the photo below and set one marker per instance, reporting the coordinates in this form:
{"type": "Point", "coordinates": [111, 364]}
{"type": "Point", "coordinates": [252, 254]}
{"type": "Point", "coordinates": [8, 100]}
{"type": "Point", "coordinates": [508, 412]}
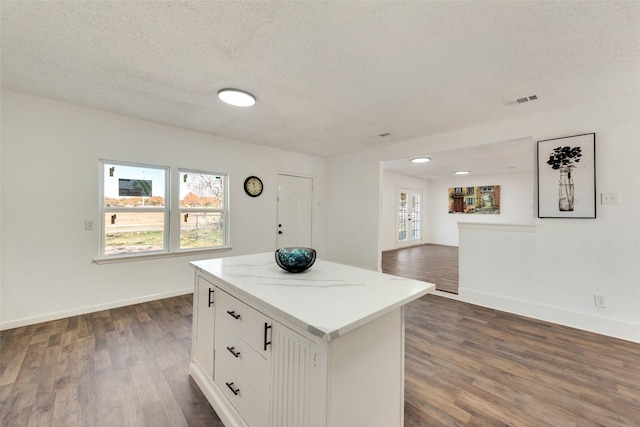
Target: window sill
{"type": "Point", "coordinates": [186, 252]}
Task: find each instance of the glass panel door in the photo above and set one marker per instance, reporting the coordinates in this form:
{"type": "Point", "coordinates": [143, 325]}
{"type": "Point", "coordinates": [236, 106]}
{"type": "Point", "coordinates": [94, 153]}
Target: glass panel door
{"type": "Point", "coordinates": [409, 217]}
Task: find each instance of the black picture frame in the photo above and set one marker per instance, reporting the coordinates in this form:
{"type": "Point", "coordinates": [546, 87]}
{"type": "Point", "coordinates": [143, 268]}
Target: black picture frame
{"type": "Point", "coordinates": [567, 177]}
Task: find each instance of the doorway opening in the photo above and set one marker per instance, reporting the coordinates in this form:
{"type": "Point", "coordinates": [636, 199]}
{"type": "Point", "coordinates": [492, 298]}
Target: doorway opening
{"type": "Point", "coordinates": [437, 264]}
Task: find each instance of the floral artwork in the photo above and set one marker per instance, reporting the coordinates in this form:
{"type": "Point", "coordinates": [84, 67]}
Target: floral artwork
{"type": "Point", "coordinates": [566, 177]}
{"type": "Point", "coordinates": [564, 159]}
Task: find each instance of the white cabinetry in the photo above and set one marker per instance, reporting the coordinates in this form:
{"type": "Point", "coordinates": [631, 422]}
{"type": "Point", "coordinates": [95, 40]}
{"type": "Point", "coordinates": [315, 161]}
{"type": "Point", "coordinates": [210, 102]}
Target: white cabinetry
{"type": "Point", "coordinates": [203, 319]}
{"type": "Point", "coordinates": [243, 350]}
{"type": "Point", "coordinates": [321, 349]}
{"type": "Point", "coordinates": [294, 364]}
{"type": "Point", "coordinates": [256, 372]}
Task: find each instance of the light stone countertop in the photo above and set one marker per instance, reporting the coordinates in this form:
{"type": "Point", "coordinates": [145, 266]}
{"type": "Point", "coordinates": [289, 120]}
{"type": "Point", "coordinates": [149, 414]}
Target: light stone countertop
{"type": "Point", "coordinates": [328, 299]}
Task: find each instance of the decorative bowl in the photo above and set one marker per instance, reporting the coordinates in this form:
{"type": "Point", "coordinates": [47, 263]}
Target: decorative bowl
{"type": "Point", "coordinates": [295, 260]}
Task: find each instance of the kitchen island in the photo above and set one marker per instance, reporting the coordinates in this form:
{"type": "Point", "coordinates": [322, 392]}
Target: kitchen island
{"type": "Point", "coordinates": [321, 348]}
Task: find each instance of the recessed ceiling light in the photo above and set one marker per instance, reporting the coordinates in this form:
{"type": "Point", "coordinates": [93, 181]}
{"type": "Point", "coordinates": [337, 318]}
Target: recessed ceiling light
{"type": "Point", "coordinates": [461, 173]}
{"type": "Point", "coordinates": [237, 97]}
{"type": "Point", "coordinates": [420, 160]}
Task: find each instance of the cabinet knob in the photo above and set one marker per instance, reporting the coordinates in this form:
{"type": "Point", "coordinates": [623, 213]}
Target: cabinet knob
{"type": "Point", "coordinates": [233, 314]}
{"type": "Point", "coordinates": [210, 297]}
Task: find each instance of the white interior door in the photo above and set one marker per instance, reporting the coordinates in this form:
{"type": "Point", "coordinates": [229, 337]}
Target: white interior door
{"type": "Point", "coordinates": [408, 217]}
{"type": "Point", "coordinates": [295, 203]}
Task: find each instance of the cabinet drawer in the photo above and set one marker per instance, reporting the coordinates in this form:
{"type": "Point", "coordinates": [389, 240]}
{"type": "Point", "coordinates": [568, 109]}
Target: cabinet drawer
{"type": "Point", "coordinates": [250, 325]}
{"type": "Point", "coordinates": [244, 380]}
{"type": "Point", "coordinates": [237, 357]}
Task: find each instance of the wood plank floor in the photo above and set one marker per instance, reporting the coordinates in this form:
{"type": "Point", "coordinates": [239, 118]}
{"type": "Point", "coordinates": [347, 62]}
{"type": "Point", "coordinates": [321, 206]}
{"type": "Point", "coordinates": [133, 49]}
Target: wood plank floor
{"type": "Point", "coordinates": [120, 367]}
{"type": "Point", "coordinates": [436, 264]}
{"type": "Point", "coordinates": [472, 366]}
{"type": "Point", "coordinates": [465, 365]}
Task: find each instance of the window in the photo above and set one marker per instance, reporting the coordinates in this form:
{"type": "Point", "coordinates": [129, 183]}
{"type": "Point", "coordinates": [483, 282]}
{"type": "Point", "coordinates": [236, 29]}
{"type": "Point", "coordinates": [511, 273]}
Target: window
{"type": "Point", "coordinates": [140, 218]}
{"type": "Point", "coordinates": [202, 210]}
{"type": "Point", "coordinates": [135, 215]}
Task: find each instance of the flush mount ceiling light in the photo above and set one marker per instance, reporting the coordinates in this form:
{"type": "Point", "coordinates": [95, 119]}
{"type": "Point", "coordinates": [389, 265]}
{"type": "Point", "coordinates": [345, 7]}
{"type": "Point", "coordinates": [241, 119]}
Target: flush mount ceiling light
{"type": "Point", "coordinates": [420, 160]}
{"type": "Point", "coordinates": [461, 173]}
{"type": "Point", "coordinates": [236, 97]}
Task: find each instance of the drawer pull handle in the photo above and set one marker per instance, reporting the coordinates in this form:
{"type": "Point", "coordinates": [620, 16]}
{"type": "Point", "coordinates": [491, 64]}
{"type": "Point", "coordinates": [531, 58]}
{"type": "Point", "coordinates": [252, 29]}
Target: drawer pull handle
{"type": "Point", "coordinates": [233, 314]}
{"type": "Point", "coordinates": [266, 329]}
{"type": "Point", "coordinates": [234, 391]}
{"type": "Point", "coordinates": [232, 350]}
{"type": "Point", "coordinates": [210, 297]}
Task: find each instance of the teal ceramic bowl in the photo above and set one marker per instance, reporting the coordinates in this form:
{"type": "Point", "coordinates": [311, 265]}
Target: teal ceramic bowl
{"type": "Point", "coordinates": [295, 260]}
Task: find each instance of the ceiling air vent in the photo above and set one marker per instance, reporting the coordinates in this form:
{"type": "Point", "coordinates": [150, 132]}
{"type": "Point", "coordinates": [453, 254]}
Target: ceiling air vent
{"type": "Point", "coordinates": [521, 100]}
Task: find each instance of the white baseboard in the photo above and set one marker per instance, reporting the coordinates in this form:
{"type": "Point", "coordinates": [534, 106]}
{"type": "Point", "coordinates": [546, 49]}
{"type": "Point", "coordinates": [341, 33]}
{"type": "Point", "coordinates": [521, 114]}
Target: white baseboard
{"type": "Point", "coordinates": [25, 321]}
{"type": "Point", "coordinates": [585, 321]}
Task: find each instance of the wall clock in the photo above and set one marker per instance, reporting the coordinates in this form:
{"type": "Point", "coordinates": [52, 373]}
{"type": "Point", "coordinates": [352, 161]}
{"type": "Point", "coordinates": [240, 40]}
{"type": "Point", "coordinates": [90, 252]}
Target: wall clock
{"type": "Point", "coordinates": [253, 186]}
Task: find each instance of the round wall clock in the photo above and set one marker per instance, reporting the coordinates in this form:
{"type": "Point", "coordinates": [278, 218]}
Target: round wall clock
{"type": "Point", "coordinates": [253, 186]}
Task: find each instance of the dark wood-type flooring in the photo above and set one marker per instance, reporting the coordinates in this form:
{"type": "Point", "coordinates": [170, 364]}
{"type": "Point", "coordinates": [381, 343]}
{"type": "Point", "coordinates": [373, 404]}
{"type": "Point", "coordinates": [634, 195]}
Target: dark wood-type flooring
{"type": "Point", "coordinates": [465, 365]}
{"type": "Point", "coordinates": [472, 366]}
{"type": "Point", "coordinates": [121, 367]}
{"type": "Point", "coordinates": [436, 264]}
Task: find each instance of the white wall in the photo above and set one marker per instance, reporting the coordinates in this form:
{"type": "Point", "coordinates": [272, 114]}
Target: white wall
{"type": "Point", "coordinates": [391, 183]}
{"type": "Point", "coordinates": [512, 274]}
{"type": "Point", "coordinates": [577, 257]}
{"type": "Point", "coordinates": [516, 204]}
{"type": "Point", "coordinates": [353, 194]}
{"type": "Point", "coordinates": [49, 178]}
{"type": "Point", "coordinates": [52, 150]}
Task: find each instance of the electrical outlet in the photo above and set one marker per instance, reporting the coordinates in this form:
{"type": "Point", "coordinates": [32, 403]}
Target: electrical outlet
{"type": "Point", "coordinates": [600, 301]}
{"type": "Point", "coordinates": [88, 225]}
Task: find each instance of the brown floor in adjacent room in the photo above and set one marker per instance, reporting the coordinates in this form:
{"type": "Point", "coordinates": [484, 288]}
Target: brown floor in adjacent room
{"type": "Point", "coordinates": [436, 264]}
{"type": "Point", "coordinates": [465, 365]}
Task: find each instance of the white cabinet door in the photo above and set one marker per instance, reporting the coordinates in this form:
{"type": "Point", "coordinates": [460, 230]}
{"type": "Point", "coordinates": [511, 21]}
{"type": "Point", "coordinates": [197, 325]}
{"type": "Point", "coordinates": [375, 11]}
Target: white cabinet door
{"type": "Point", "coordinates": [204, 325]}
{"type": "Point", "coordinates": [293, 367]}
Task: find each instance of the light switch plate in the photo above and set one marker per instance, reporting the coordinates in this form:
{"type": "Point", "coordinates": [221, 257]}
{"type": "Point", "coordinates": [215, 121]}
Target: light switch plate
{"type": "Point", "coordinates": [600, 301]}
{"type": "Point", "coordinates": [609, 198]}
{"type": "Point", "coordinates": [88, 224]}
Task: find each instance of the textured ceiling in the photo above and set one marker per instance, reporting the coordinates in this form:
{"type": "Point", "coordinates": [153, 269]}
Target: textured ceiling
{"type": "Point", "coordinates": [504, 157]}
{"type": "Point", "coordinates": [329, 76]}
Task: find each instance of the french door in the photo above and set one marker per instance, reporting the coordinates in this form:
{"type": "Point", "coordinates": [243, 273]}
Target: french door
{"type": "Point", "coordinates": [408, 217]}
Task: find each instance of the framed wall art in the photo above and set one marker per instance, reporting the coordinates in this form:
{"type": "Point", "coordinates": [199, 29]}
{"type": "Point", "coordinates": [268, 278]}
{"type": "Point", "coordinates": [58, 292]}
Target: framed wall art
{"type": "Point", "coordinates": [567, 177]}
{"type": "Point", "coordinates": [475, 200]}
